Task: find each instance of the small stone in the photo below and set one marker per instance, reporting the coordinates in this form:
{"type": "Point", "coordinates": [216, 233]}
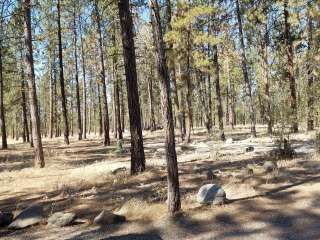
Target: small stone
{"type": "Point", "coordinates": [118, 170]}
{"type": "Point", "coordinates": [61, 219]}
{"type": "Point", "coordinates": [178, 150]}
{"type": "Point", "coordinates": [211, 194]}
{"type": "Point", "coordinates": [28, 217]}
{"type": "Point", "coordinates": [269, 166]}
{"type": "Point", "coordinates": [229, 141]}
{"type": "Point", "coordinates": [250, 149]}
{"type": "Point", "coordinates": [196, 168]}
{"type": "Point", "coordinates": [105, 218]}
{"type": "Point", "coordinates": [5, 219]}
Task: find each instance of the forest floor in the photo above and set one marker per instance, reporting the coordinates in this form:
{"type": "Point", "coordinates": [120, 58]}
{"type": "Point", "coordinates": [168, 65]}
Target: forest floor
{"type": "Point", "coordinates": [284, 204]}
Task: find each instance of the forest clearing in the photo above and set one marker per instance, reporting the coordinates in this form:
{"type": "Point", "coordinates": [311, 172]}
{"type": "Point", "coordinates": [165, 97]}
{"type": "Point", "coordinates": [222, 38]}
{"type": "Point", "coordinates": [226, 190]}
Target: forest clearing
{"type": "Point", "coordinates": [80, 178]}
{"type": "Point", "coordinates": [159, 119]}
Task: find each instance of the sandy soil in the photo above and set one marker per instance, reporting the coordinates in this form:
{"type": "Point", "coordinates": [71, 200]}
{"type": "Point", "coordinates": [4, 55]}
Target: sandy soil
{"type": "Point", "coordinates": [279, 205]}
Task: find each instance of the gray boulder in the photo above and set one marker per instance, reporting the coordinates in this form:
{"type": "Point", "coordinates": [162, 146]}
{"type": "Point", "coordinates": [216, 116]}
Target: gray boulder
{"type": "Point", "coordinates": [269, 166]}
{"type": "Point", "coordinates": [105, 218]}
{"type": "Point", "coordinates": [5, 219]}
{"type": "Point", "coordinates": [61, 219]}
{"type": "Point", "coordinates": [28, 217]}
{"type": "Point", "coordinates": [211, 194]}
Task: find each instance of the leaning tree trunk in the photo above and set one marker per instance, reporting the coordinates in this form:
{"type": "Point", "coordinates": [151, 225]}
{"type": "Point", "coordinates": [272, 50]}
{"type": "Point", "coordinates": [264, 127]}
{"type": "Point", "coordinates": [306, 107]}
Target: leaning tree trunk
{"type": "Point", "coordinates": [77, 76]}
{"type": "Point", "coordinates": [310, 101]}
{"type": "Point", "coordinates": [290, 69]}
{"type": "Point", "coordinates": [2, 111]}
{"type": "Point", "coordinates": [245, 73]}
{"type": "Point", "coordinates": [36, 134]}
{"type": "Point", "coordinates": [137, 151]}
{"type": "Point", "coordinates": [63, 95]}
{"type": "Point", "coordinates": [218, 92]}
{"type": "Point", "coordinates": [106, 137]}
{"type": "Point", "coordinates": [174, 203]}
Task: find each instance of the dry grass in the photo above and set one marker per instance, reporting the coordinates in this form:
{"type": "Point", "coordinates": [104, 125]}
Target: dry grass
{"type": "Point", "coordinates": [81, 174]}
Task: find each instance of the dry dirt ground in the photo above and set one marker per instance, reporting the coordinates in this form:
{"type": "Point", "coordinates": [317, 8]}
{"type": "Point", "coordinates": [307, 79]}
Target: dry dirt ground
{"type": "Point", "coordinates": [284, 204]}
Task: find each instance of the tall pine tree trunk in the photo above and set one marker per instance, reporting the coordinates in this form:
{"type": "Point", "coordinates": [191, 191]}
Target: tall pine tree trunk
{"type": "Point", "coordinates": [151, 102]}
{"type": "Point", "coordinates": [218, 92]}
{"type": "Point", "coordinates": [63, 95]}
{"type": "Point", "coordinates": [189, 88]}
{"type": "Point", "coordinates": [36, 134]}
{"type": "Point", "coordinates": [174, 203]}
{"type": "Point", "coordinates": [24, 111]}
{"type": "Point", "coordinates": [290, 69]}
{"type": "Point", "coordinates": [26, 137]}
{"type": "Point", "coordinates": [137, 151]}
{"type": "Point", "coordinates": [121, 90]}
{"type": "Point", "coordinates": [310, 75]}
{"type": "Point", "coordinates": [100, 111]}
{"type": "Point", "coordinates": [51, 107]}
{"type": "Point", "coordinates": [106, 137]}
{"type": "Point", "coordinates": [118, 113]}
{"type": "Point", "coordinates": [84, 85]}
{"type": "Point", "coordinates": [2, 110]}
{"type": "Point", "coordinates": [264, 48]}
{"type": "Point", "coordinates": [77, 75]}
{"type": "Point", "coordinates": [172, 72]}
{"type": "Point", "coordinates": [245, 73]}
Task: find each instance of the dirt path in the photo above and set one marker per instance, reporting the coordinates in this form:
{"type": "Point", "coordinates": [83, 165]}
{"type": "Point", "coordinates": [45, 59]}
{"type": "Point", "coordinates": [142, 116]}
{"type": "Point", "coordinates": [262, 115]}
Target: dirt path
{"type": "Point", "coordinates": [282, 205]}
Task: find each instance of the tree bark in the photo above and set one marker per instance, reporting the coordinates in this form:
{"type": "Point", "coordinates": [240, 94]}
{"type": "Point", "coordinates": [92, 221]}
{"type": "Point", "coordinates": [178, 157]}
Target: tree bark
{"type": "Point", "coordinates": [2, 110]}
{"type": "Point", "coordinates": [117, 98]}
{"type": "Point", "coordinates": [189, 89]}
{"type": "Point", "coordinates": [245, 73]}
{"type": "Point", "coordinates": [172, 72]}
{"type": "Point", "coordinates": [116, 89]}
{"type": "Point", "coordinates": [77, 75]}
{"type": "Point", "coordinates": [106, 137]}
{"type": "Point", "coordinates": [174, 203]}
{"type": "Point", "coordinates": [290, 69]}
{"type": "Point", "coordinates": [264, 48]}
{"type": "Point", "coordinates": [52, 83]}
{"type": "Point", "coordinates": [218, 92]}
{"type": "Point", "coordinates": [36, 134]}
{"type": "Point", "coordinates": [137, 151]}
{"type": "Point", "coordinates": [310, 101]}
{"type": "Point", "coordinates": [151, 104]}
{"type": "Point", "coordinates": [122, 110]}
{"type": "Point", "coordinates": [63, 96]}
{"type": "Point", "coordinates": [84, 86]}
{"type": "Point", "coordinates": [24, 112]}
{"type": "Point", "coordinates": [26, 137]}
{"type": "Point", "coordinates": [100, 111]}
